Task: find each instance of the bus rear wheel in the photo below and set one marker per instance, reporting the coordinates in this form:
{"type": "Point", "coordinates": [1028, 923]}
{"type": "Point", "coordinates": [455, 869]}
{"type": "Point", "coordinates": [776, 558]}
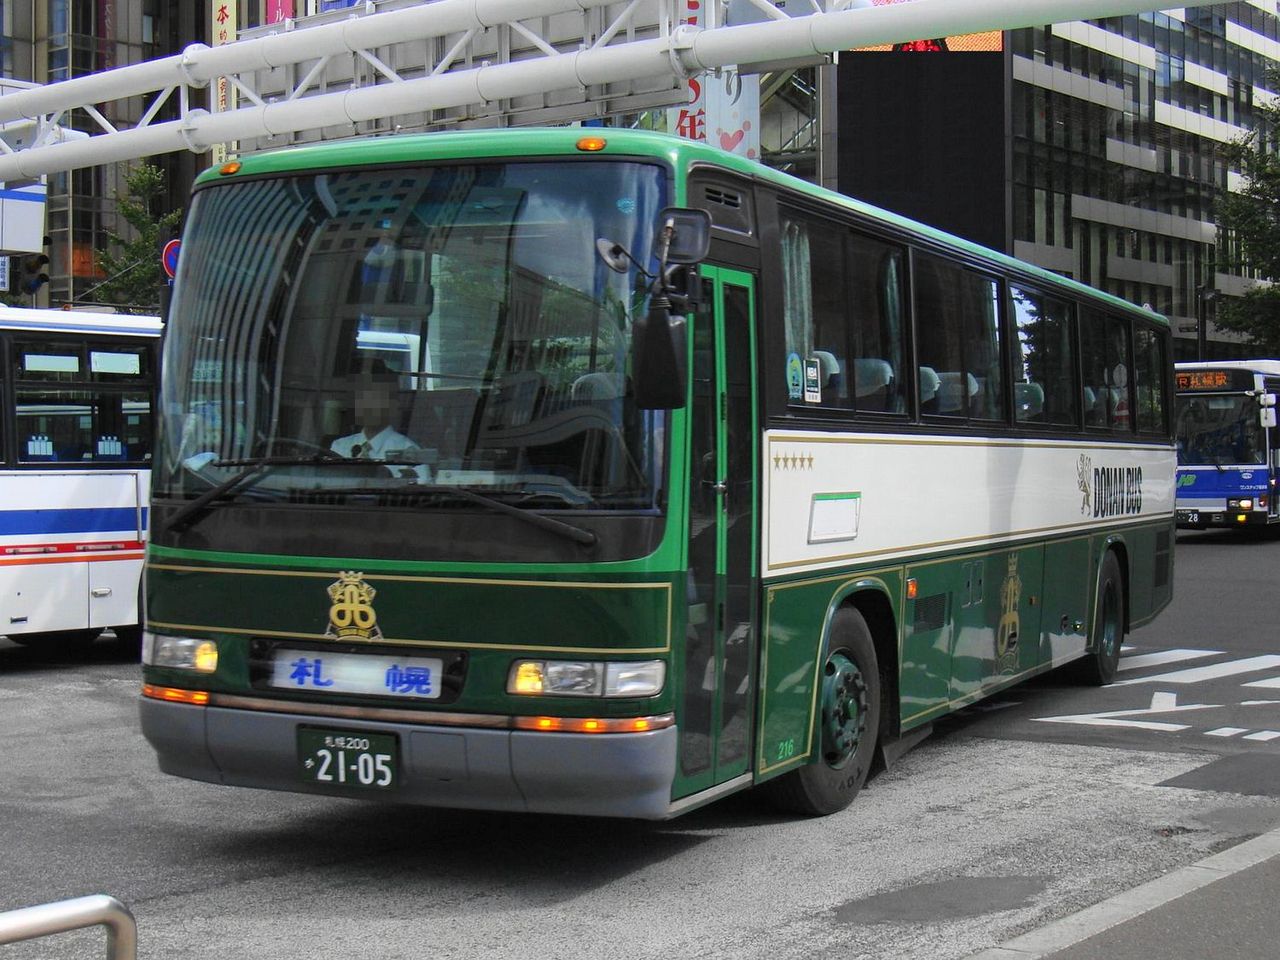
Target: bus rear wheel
{"type": "Point", "coordinates": [848, 725]}
{"type": "Point", "coordinates": [1099, 667]}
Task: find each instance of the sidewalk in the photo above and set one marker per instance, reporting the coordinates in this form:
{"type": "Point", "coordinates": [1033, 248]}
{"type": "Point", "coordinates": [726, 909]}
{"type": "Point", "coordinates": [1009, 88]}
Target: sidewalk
{"type": "Point", "coordinates": [1227, 905]}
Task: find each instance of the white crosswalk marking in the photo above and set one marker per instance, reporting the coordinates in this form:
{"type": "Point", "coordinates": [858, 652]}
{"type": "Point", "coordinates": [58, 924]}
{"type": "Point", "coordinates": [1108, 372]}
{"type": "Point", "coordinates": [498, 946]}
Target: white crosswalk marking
{"type": "Point", "coordinates": [1225, 732]}
{"type": "Point", "coordinates": [1161, 657]}
{"type": "Point", "coordinates": [1211, 672]}
{"type": "Point", "coordinates": [1263, 735]}
{"type": "Point", "coordinates": [1270, 683]}
{"type": "Point", "coordinates": [1162, 702]}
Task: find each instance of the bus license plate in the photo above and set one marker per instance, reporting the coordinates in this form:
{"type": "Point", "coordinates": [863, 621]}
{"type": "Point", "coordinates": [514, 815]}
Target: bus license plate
{"type": "Point", "coordinates": [1188, 516]}
{"type": "Point", "coordinates": [348, 758]}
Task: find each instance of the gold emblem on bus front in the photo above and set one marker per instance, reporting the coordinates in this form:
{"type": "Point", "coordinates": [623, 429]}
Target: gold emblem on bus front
{"type": "Point", "coordinates": [351, 613]}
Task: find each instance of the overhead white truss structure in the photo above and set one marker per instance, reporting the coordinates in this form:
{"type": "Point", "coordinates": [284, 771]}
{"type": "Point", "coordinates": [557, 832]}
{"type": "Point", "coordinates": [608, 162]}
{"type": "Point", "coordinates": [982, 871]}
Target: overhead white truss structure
{"type": "Point", "coordinates": [451, 62]}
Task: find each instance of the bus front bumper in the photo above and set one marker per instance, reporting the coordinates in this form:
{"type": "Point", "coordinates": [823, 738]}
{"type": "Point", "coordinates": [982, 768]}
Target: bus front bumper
{"type": "Point", "coordinates": [1203, 517]}
{"type": "Point", "coordinates": [613, 775]}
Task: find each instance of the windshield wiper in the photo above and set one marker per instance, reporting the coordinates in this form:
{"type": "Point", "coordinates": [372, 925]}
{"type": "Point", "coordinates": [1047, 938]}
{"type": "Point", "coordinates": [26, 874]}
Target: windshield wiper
{"type": "Point", "coordinates": [559, 527]}
{"type": "Point", "coordinates": [254, 469]}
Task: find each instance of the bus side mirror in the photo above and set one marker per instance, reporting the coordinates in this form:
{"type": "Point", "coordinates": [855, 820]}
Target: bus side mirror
{"type": "Point", "coordinates": [1267, 415]}
{"type": "Point", "coordinates": [660, 339]}
{"type": "Point", "coordinates": [660, 357]}
{"type": "Point", "coordinates": [689, 235]}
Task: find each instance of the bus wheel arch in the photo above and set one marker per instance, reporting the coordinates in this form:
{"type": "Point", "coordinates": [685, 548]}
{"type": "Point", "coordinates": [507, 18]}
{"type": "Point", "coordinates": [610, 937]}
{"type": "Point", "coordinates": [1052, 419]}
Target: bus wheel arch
{"type": "Point", "coordinates": [1116, 545]}
{"type": "Point", "coordinates": [846, 723]}
{"type": "Point", "coordinates": [1110, 620]}
{"type": "Point", "coordinates": [877, 611]}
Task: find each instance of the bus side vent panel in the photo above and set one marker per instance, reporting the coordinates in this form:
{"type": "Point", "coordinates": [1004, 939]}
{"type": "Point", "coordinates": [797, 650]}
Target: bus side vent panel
{"type": "Point", "coordinates": [724, 198]}
{"type": "Point", "coordinates": [1163, 560]}
{"type": "Point", "coordinates": [930, 613]}
{"type": "Point", "coordinates": [730, 209]}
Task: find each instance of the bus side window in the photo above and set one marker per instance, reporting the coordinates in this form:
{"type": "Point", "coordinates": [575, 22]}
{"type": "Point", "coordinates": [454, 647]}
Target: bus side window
{"type": "Point", "coordinates": [957, 323]}
{"type": "Point", "coordinates": [1096, 392]}
{"type": "Point", "coordinates": [875, 302]}
{"type": "Point", "coordinates": [1119, 375]}
{"type": "Point", "coordinates": [1043, 359]}
{"type": "Point", "coordinates": [816, 308]}
{"type": "Point", "coordinates": [1150, 381]}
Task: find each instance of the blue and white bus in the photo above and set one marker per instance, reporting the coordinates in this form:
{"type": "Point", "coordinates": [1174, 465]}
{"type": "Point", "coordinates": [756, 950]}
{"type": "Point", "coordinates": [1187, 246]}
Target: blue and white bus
{"type": "Point", "coordinates": [1228, 445]}
{"type": "Point", "coordinates": [77, 393]}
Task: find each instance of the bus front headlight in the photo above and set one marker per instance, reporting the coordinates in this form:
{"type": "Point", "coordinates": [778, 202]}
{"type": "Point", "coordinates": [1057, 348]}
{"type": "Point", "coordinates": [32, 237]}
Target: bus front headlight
{"type": "Point", "coordinates": [587, 678]}
{"type": "Point", "coordinates": [182, 653]}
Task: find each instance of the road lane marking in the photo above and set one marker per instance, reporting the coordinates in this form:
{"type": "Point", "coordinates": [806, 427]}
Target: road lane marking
{"type": "Point", "coordinates": [1123, 907]}
{"type": "Point", "coordinates": [1225, 731]}
{"type": "Point", "coordinates": [1161, 702]}
{"type": "Point", "coordinates": [1263, 735]}
{"type": "Point", "coordinates": [1213, 672]}
{"type": "Point", "coordinates": [1162, 657]}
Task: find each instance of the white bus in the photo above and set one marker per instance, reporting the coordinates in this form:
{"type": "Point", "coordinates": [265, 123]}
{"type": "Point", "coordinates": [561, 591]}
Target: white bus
{"type": "Point", "coordinates": [1228, 444]}
{"type": "Point", "coordinates": [76, 398]}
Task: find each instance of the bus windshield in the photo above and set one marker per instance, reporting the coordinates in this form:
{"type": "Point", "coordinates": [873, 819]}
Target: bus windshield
{"type": "Point", "coordinates": [1219, 429]}
{"type": "Point", "coordinates": [453, 325]}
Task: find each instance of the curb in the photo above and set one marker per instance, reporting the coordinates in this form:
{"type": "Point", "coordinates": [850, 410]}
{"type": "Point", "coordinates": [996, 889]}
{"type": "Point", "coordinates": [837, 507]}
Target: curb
{"type": "Point", "coordinates": [1091, 921]}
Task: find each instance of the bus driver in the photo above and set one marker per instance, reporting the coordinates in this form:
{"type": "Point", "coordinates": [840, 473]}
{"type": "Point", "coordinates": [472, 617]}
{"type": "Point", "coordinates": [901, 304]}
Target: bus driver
{"type": "Point", "coordinates": [374, 401]}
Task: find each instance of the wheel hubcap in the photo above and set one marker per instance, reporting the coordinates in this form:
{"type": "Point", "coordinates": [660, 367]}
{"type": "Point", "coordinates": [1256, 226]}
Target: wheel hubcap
{"type": "Point", "coordinates": [844, 709]}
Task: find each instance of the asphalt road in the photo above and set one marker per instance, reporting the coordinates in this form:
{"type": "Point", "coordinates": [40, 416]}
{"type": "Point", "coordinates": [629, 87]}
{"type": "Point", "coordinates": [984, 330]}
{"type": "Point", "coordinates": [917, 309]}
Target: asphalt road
{"type": "Point", "coordinates": [1012, 815]}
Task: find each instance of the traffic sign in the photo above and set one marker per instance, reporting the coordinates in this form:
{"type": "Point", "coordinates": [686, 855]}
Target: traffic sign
{"type": "Point", "coordinates": [169, 258]}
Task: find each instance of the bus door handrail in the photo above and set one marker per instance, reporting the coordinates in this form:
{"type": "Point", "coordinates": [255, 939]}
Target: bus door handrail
{"type": "Point", "coordinates": [63, 916]}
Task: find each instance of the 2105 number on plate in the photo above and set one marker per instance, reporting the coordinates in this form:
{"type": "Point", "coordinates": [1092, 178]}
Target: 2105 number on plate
{"type": "Point", "coordinates": [348, 758]}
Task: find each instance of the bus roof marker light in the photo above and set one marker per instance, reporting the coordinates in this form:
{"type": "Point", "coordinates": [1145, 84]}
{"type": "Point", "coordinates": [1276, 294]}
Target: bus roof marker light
{"type": "Point", "coordinates": [227, 169]}
{"type": "Point", "coordinates": [592, 144]}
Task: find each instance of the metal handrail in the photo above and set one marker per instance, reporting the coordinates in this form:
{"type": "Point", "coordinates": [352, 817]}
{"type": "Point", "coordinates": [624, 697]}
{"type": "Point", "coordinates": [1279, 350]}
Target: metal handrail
{"type": "Point", "coordinates": [64, 915]}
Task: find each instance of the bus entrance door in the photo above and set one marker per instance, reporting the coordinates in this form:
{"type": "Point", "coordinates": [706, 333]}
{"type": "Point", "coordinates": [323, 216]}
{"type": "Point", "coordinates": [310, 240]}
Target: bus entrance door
{"type": "Point", "coordinates": [720, 639]}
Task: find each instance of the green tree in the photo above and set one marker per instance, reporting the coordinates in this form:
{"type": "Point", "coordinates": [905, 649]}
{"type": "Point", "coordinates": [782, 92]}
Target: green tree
{"type": "Point", "coordinates": [1249, 221]}
{"type": "Point", "coordinates": [131, 263]}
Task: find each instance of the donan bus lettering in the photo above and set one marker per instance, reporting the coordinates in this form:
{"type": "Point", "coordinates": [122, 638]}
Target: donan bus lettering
{"type": "Point", "coordinates": [1117, 491]}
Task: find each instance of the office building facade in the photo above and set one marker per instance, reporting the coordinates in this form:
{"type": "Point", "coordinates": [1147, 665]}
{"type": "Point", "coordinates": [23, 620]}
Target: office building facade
{"type": "Point", "coordinates": [1089, 148]}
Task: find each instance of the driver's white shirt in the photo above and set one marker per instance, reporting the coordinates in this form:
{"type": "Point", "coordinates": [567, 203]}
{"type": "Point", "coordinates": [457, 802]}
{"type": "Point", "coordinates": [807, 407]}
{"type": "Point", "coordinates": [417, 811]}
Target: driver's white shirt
{"type": "Point", "coordinates": [388, 444]}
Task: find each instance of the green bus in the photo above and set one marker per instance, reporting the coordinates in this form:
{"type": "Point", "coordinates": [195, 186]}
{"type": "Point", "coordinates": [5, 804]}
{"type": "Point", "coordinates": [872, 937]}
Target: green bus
{"type": "Point", "coordinates": [602, 472]}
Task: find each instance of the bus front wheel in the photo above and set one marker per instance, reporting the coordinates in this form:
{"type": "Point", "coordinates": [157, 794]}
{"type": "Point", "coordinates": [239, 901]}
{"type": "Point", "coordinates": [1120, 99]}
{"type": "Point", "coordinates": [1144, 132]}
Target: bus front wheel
{"type": "Point", "coordinates": [848, 725]}
{"type": "Point", "coordinates": [1100, 665]}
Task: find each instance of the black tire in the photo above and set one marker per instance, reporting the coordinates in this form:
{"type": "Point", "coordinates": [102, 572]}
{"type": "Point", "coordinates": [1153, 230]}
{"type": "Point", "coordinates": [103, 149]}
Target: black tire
{"type": "Point", "coordinates": [129, 641]}
{"type": "Point", "coordinates": [59, 641]}
{"type": "Point", "coordinates": [1103, 659]}
{"type": "Point", "coordinates": [848, 725]}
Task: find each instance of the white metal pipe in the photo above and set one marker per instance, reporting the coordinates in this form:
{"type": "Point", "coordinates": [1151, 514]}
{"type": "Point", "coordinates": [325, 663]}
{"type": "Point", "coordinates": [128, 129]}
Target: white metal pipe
{"type": "Point", "coordinates": [723, 46]}
{"type": "Point", "coordinates": [46, 919]}
{"type": "Point", "coordinates": [132, 80]}
{"type": "Point", "coordinates": [199, 64]}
